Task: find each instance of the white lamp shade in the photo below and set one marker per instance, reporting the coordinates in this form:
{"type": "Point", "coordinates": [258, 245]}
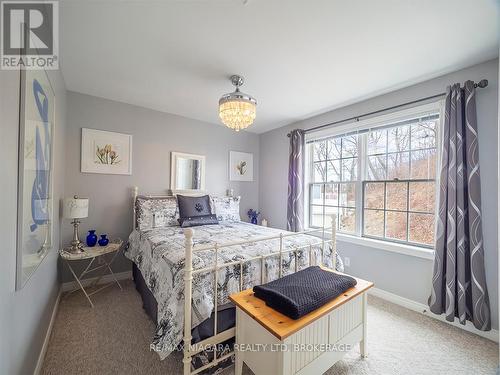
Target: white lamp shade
{"type": "Point", "coordinates": [75, 208]}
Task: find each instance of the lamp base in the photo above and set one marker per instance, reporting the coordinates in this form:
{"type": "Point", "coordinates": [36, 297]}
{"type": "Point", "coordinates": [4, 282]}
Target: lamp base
{"type": "Point", "coordinates": [75, 248]}
{"type": "Point", "coordinates": [76, 245]}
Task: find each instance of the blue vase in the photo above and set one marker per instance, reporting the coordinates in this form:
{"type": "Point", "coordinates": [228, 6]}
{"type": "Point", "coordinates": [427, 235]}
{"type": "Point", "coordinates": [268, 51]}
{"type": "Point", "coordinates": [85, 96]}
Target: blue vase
{"type": "Point", "coordinates": [104, 240]}
{"type": "Point", "coordinates": [254, 220]}
{"type": "Point", "coordinates": [91, 238]}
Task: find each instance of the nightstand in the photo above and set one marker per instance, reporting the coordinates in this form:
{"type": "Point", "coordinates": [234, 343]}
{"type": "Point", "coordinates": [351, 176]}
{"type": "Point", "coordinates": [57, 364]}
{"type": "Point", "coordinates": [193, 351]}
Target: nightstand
{"type": "Point", "coordinates": [91, 254]}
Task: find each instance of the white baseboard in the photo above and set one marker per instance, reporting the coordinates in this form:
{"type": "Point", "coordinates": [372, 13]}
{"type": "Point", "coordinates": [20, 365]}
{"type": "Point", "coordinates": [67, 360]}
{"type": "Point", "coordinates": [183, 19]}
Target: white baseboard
{"type": "Point", "coordinates": [127, 275]}
{"type": "Point", "coordinates": [43, 351]}
{"type": "Point", "coordinates": [424, 310]}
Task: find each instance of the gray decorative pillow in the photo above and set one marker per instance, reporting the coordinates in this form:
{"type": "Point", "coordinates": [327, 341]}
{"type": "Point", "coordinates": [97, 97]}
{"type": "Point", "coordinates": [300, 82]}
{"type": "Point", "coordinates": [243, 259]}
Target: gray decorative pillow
{"type": "Point", "coordinates": [154, 212]}
{"type": "Point", "coordinates": [227, 208]}
{"type": "Point", "coordinates": [198, 220]}
{"type": "Point", "coordinates": [193, 206]}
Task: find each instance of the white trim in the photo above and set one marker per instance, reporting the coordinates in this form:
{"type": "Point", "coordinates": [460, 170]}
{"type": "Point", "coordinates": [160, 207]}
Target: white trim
{"type": "Point", "coordinates": [424, 310]}
{"type": "Point", "coordinates": [43, 351]}
{"type": "Point", "coordinates": [393, 247]}
{"type": "Point", "coordinates": [71, 285]}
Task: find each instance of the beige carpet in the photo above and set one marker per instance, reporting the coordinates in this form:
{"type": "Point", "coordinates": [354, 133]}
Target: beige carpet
{"type": "Point", "coordinates": [114, 336]}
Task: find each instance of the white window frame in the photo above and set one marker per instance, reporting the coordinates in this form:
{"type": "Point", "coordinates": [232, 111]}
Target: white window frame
{"type": "Point", "coordinates": [362, 125]}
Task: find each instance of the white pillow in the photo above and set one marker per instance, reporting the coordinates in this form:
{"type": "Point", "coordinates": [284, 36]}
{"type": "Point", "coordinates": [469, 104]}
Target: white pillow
{"type": "Point", "coordinates": [226, 208]}
{"type": "Point", "coordinates": [154, 212]}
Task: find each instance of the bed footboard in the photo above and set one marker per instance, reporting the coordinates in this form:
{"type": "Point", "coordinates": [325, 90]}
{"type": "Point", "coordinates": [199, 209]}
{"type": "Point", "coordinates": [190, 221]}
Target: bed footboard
{"type": "Point", "coordinates": [219, 337]}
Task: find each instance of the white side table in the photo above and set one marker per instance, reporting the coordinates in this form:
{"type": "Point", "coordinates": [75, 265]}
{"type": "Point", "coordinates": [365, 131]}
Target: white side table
{"type": "Point", "coordinates": [92, 253]}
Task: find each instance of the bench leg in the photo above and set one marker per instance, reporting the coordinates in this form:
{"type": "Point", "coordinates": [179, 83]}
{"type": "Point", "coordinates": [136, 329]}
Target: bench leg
{"type": "Point", "coordinates": [363, 344]}
{"type": "Point", "coordinates": [238, 363]}
{"type": "Point", "coordinates": [238, 354]}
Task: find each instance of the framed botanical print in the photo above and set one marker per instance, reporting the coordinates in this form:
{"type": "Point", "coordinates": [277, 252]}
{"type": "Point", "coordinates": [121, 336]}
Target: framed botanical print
{"type": "Point", "coordinates": [35, 175]}
{"type": "Point", "coordinates": [240, 166]}
{"type": "Point", "coordinates": [106, 152]}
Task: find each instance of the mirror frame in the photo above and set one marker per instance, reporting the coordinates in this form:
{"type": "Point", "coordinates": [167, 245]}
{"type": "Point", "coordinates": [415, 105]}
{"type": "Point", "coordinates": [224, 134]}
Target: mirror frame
{"type": "Point", "coordinates": [173, 170]}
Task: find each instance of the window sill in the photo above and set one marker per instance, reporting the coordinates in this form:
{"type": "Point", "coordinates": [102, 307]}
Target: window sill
{"type": "Point", "coordinates": [414, 251]}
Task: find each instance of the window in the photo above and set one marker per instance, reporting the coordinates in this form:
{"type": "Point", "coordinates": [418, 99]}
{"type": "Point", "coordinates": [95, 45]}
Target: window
{"type": "Point", "coordinates": [333, 189]}
{"type": "Point", "coordinates": [379, 182]}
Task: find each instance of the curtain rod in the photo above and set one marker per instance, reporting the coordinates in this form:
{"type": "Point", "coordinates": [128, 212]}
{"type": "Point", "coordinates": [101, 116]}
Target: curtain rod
{"type": "Point", "coordinates": [481, 84]}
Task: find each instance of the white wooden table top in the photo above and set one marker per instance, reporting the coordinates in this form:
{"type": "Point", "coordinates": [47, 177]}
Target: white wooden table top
{"type": "Point", "coordinates": [92, 252]}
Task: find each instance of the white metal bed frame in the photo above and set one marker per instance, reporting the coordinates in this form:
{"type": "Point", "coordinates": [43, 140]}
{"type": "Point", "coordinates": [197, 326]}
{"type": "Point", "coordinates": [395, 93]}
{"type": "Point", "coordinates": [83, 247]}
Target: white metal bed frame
{"type": "Point", "coordinates": [219, 337]}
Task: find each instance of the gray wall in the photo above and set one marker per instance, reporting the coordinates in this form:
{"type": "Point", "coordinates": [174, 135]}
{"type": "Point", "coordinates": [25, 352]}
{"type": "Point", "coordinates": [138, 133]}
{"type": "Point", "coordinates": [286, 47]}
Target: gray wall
{"type": "Point", "coordinates": [403, 275]}
{"type": "Point", "coordinates": [155, 135]}
{"type": "Point", "coordinates": [25, 314]}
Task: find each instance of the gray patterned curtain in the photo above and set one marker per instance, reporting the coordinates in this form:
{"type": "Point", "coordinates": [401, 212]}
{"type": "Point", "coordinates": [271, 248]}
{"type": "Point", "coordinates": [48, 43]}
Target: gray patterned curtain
{"type": "Point", "coordinates": [458, 281]}
{"type": "Point", "coordinates": [295, 207]}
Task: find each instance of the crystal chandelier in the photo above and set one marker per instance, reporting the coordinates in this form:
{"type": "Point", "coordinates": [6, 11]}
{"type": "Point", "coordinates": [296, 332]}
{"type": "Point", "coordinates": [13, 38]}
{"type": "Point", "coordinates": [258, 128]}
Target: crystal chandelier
{"type": "Point", "coordinates": [237, 109]}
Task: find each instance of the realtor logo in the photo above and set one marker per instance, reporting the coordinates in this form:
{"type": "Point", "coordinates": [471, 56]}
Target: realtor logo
{"type": "Point", "coordinates": [29, 35]}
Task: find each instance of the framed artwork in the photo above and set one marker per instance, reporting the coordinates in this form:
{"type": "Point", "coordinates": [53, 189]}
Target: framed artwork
{"type": "Point", "coordinates": [35, 174]}
{"type": "Point", "coordinates": [106, 152]}
{"type": "Point", "coordinates": [240, 166]}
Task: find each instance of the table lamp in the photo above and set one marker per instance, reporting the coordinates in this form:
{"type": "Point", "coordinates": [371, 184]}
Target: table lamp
{"type": "Point", "coordinates": [75, 208]}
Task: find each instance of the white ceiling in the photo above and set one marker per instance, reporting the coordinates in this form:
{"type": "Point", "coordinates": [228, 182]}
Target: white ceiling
{"type": "Point", "coordinates": [298, 57]}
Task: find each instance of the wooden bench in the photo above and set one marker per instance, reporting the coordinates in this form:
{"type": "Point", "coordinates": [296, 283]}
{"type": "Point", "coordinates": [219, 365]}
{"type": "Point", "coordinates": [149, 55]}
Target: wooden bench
{"type": "Point", "coordinates": [272, 343]}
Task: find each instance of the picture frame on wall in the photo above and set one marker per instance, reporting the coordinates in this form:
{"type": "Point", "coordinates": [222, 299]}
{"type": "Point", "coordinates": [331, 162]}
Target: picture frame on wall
{"type": "Point", "coordinates": [106, 152]}
{"type": "Point", "coordinates": [240, 166]}
{"type": "Point", "coordinates": [35, 205]}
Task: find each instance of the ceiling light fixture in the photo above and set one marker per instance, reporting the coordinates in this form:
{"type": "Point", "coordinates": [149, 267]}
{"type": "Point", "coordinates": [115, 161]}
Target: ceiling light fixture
{"type": "Point", "coordinates": [237, 110]}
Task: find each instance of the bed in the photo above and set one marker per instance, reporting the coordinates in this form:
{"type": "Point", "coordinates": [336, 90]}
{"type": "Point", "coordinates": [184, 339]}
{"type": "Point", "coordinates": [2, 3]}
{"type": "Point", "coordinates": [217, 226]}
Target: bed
{"type": "Point", "coordinates": [207, 264]}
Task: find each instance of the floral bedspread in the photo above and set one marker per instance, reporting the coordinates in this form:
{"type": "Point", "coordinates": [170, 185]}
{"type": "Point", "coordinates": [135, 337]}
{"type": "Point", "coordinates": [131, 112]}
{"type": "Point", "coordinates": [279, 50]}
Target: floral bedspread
{"type": "Point", "coordinates": [159, 255]}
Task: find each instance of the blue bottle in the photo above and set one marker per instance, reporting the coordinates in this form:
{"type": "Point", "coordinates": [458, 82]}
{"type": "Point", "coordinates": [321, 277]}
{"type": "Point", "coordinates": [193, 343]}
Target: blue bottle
{"type": "Point", "coordinates": [91, 238]}
{"type": "Point", "coordinates": [104, 240]}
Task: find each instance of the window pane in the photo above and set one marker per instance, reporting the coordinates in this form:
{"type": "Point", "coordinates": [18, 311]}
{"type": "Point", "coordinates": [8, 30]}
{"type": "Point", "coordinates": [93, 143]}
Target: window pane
{"type": "Point", "coordinates": [329, 211]}
{"type": "Point", "coordinates": [347, 220]}
{"type": "Point", "coordinates": [374, 195]}
{"type": "Point", "coordinates": [348, 195]}
{"type": "Point", "coordinates": [374, 223]}
{"type": "Point", "coordinates": [331, 195]}
{"type": "Point", "coordinates": [333, 170]}
{"type": "Point", "coordinates": [423, 164]}
{"type": "Point", "coordinates": [395, 226]}
{"type": "Point", "coordinates": [422, 196]}
{"type": "Point", "coordinates": [319, 151]}
{"type": "Point", "coordinates": [398, 139]}
{"type": "Point", "coordinates": [350, 146]}
{"type": "Point", "coordinates": [396, 196]}
{"type": "Point", "coordinates": [316, 216]}
{"type": "Point", "coordinates": [376, 167]}
{"type": "Point", "coordinates": [398, 165]}
{"type": "Point", "coordinates": [421, 228]}
{"type": "Point", "coordinates": [317, 192]}
{"type": "Point", "coordinates": [423, 135]}
{"type": "Point", "coordinates": [377, 142]}
{"type": "Point", "coordinates": [320, 171]}
{"type": "Point", "coordinates": [349, 169]}
{"type": "Point", "coordinates": [334, 148]}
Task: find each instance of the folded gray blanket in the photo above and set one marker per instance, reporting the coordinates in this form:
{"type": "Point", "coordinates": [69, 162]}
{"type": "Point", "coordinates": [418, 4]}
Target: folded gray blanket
{"type": "Point", "coordinates": [300, 293]}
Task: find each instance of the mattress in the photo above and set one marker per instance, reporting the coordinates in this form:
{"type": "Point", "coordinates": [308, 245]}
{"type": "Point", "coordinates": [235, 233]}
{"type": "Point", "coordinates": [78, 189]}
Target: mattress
{"type": "Point", "coordinates": [159, 255]}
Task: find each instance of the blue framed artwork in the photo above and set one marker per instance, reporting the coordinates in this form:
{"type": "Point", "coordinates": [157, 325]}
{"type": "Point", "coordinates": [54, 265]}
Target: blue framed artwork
{"type": "Point", "coordinates": [35, 195]}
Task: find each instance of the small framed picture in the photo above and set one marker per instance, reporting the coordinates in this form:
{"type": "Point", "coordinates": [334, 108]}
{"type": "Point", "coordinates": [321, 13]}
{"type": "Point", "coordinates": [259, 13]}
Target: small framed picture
{"type": "Point", "coordinates": [106, 152]}
{"type": "Point", "coordinates": [240, 166]}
